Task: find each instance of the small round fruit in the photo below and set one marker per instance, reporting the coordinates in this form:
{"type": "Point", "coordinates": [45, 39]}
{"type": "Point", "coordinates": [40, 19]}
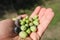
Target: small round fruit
{"type": "Point", "coordinates": [28, 31]}
{"type": "Point", "coordinates": [33, 28]}
{"type": "Point", "coordinates": [23, 28]}
{"type": "Point", "coordinates": [30, 19]}
{"type": "Point", "coordinates": [17, 23]}
{"type": "Point", "coordinates": [36, 20]}
{"type": "Point", "coordinates": [26, 25]}
{"type": "Point", "coordinates": [26, 17]}
{"type": "Point", "coordinates": [17, 30]}
{"type": "Point", "coordinates": [14, 19]}
{"type": "Point", "coordinates": [27, 21]}
{"type": "Point", "coordinates": [30, 24]}
{"type": "Point", "coordinates": [22, 22]}
{"type": "Point", "coordinates": [23, 34]}
{"type": "Point", "coordinates": [35, 23]}
{"type": "Point", "coordinates": [35, 17]}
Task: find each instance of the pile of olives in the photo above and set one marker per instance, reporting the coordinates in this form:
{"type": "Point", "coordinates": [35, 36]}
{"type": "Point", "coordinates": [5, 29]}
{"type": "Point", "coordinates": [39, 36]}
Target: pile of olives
{"type": "Point", "coordinates": [25, 26]}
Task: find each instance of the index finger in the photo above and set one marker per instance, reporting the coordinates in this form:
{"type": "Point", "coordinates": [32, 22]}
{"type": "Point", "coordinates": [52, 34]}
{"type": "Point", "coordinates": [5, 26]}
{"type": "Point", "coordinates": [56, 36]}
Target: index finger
{"type": "Point", "coordinates": [35, 12]}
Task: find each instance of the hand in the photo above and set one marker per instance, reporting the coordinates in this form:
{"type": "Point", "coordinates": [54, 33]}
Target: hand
{"type": "Point", "coordinates": [45, 16]}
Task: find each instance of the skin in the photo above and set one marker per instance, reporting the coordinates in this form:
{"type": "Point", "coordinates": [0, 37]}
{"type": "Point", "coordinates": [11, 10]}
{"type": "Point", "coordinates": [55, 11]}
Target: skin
{"type": "Point", "coordinates": [45, 17]}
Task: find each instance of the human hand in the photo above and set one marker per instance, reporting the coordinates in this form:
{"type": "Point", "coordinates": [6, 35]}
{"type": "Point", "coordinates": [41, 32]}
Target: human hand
{"type": "Point", "coordinates": [7, 26]}
{"type": "Point", "coordinates": [7, 29]}
{"type": "Point", "coordinates": [45, 17]}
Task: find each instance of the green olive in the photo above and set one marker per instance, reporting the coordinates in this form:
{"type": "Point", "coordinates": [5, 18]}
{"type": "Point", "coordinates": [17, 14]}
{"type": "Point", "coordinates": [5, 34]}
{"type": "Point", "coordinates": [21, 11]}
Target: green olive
{"type": "Point", "coordinates": [35, 17]}
{"type": "Point", "coordinates": [23, 28]}
{"type": "Point", "coordinates": [30, 19]}
{"type": "Point", "coordinates": [14, 19]}
{"type": "Point", "coordinates": [27, 21]}
{"type": "Point", "coordinates": [33, 28]}
{"type": "Point", "coordinates": [26, 25]}
{"type": "Point", "coordinates": [30, 24]}
{"type": "Point", "coordinates": [36, 20]}
{"type": "Point", "coordinates": [23, 34]}
{"type": "Point", "coordinates": [35, 23]}
{"type": "Point", "coordinates": [28, 31]}
{"type": "Point", "coordinates": [26, 17]}
{"type": "Point", "coordinates": [22, 22]}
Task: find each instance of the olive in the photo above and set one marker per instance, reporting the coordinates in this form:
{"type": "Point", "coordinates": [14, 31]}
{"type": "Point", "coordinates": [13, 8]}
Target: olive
{"type": "Point", "coordinates": [17, 30]}
{"type": "Point", "coordinates": [33, 28]}
{"type": "Point", "coordinates": [28, 31]}
{"type": "Point", "coordinates": [35, 17]}
{"type": "Point", "coordinates": [23, 34]}
{"type": "Point", "coordinates": [26, 25]}
{"type": "Point", "coordinates": [17, 23]}
{"type": "Point", "coordinates": [14, 19]}
{"type": "Point", "coordinates": [27, 21]}
{"type": "Point", "coordinates": [23, 28]}
{"type": "Point", "coordinates": [22, 22]}
{"type": "Point", "coordinates": [35, 23]}
{"type": "Point", "coordinates": [31, 24]}
{"type": "Point", "coordinates": [26, 17]}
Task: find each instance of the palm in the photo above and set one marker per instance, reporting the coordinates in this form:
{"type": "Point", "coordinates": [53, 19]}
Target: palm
{"type": "Point", "coordinates": [45, 16]}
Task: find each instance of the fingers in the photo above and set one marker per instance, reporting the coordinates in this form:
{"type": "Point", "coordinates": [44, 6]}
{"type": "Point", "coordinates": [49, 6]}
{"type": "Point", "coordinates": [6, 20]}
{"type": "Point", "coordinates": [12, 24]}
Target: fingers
{"type": "Point", "coordinates": [21, 16]}
{"type": "Point", "coordinates": [45, 14]}
{"type": "Point", "coordinates": [18, 38]}
{"type": "Point", "coordinates": [42, 12]}
{"type": "Point", "coordinates": [34, 36]}
{"type": "Point", "coordinates": [28, 38]}
{"type": "Point", "coordinates": [45, 21]}
{"type": "Point", "coordinates": [36, 11]}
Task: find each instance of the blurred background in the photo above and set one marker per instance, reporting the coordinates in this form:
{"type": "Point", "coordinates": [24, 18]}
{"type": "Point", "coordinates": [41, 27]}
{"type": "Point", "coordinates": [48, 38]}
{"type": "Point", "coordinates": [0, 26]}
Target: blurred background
{"type": "Point", "coordinates": [12, 8]}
